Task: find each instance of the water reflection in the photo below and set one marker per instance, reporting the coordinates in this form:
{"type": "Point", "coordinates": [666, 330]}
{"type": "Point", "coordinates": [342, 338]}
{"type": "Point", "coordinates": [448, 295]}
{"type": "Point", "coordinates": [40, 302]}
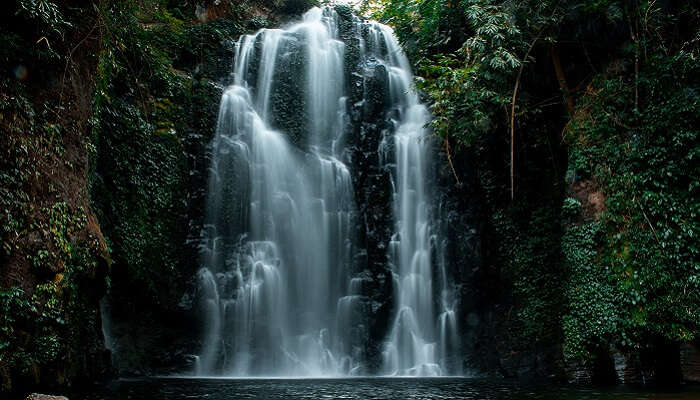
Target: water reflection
{"type": "Point", "coordinates": [367, 389]}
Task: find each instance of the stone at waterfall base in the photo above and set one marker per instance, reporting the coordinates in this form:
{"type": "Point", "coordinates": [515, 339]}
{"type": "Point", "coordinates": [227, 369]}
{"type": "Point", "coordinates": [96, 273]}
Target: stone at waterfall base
{"type": "Point", "coordinates": [37, 396]}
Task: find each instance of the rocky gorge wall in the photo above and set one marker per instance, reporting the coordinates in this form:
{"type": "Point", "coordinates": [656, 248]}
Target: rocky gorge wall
{"type": "Point", "coordinates": [151, 191]}
{"type": "Point", "coordinates": [369, 119]}
{"type": "Point", "coordinates": [106, 125]}
{"type": "Point", "coordinates": [54, 257]}
{"type": "Point", "coordinates": [150, 194]}
{"type": "Point", "coordinates": [106, 112]}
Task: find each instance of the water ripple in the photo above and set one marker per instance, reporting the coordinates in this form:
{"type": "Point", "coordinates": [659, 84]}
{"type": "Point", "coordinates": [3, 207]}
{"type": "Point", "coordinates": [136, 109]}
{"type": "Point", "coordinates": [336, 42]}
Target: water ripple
{"type": "Point", "coordinates": [366, 389]}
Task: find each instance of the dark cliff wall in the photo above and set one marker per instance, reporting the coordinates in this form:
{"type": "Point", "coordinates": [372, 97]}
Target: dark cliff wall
{"type": "Point", "coordinates": [106, 111]}
{"type": "Point", "coordinates": [157, 111]}
{"type": "Point", "coordinates": [572, 131]}
{"type": "Point", "coordinates": [54, 259]}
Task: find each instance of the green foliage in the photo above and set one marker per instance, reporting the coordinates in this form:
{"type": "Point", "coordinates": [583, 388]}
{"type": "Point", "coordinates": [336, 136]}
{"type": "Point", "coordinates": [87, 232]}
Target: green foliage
{"type": "Point", "coordinates": [34, 30]}
{"type": "Point", "coordinates": [468, 53]}
{"type": "Point", "coordinates": [32, 135]}
{"type": "Point", "coordinates": [46, 13]}
{"type": "Point", "coordinates": [12, 305]}
{"type": "Point", "coordinates": [528, 252]}
{"type": "Point", "coordinates": [49, 254]}
{"type": "Point", "coordinates": [34, 329]}
{"type": "Point", "coordinates": [41, 331]}
{"type": "Point", "coordinates": [571, 208]}
{"type": "Point", "coordinates": [630, 123]}
{"type": "Point", "coordinates": [593, 316]}
{"type": "Point", "coordinates": [154, 91]}
{"type": "Point", "coordinates": [143, 174]}
{"type": "Point", "coordinates": [645, 158]}
{"type": "Point", "coordinates": [13, 198]}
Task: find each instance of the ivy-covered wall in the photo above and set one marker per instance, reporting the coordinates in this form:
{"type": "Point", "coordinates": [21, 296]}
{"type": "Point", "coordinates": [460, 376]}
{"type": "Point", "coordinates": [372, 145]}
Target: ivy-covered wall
{"type": "Point", "coordinates": [570, 142]}
{"type": "Point", "coordinates": [633, 263]}
{"type": "Point", "coordinates": [54, 260]}
{"type": "Point", "coordinates": [162, 70]}
{"type": "Point", "coordinates": [573, 127]}
{"type": "Point", "coordinates": [106, 111]}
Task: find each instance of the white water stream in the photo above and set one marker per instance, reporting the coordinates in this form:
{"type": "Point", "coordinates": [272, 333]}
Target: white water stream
{"type": "Point", "coordinates": [279, 298]}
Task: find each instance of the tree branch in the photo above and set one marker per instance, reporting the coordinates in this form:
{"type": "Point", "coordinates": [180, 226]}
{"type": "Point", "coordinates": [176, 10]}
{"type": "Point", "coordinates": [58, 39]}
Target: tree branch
{"type": "Point", "coordinates": [449, 159]}
{"type": "Point", "coordinates": [561, 78]}
{"type": "Point", "coordinates": [512, 117]}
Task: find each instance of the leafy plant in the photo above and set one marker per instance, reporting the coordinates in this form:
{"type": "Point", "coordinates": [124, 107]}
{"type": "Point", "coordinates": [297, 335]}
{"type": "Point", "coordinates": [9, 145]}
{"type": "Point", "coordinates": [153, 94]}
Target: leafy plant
{"type": "Point", "coordinates": [46, 13]}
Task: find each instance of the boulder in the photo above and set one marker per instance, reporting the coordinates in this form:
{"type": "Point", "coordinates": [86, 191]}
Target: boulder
{"type": "Point", "coordinates": [37, 396]}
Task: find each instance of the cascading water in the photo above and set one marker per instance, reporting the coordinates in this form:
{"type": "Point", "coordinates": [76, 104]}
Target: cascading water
{"type": "Point", "coordinates": [277, 288]}
{"type": "Point", "coordinates": [416, 346]}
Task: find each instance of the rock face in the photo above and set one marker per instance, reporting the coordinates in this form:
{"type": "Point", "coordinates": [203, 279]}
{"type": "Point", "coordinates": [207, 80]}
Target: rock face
{"type": "Point", "coordinates": [53, 261]}
{"type": "Point", "coordinates": [36, 396]}
{"type": "Point", "coordinates": [151, 178]}
{"type": "Point", "coordinates": [337, 140]}
{"type": "Point", "coordinates": [53, 257]}
{"type": "Point", "coordinates": [690, 362]}
{"type": "Point", "coordinates": [373, 198]}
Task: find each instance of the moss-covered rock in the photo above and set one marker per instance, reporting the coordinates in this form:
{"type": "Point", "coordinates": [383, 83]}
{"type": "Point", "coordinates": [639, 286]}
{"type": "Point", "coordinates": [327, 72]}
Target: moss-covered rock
{"type": "Point", "coordinates": [54, 259]}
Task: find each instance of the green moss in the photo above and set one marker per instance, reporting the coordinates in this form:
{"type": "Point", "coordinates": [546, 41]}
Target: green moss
{"type": "Point", "coordinates": [630, 126]}
{"type": "Point", "coordinates": [152, 93]}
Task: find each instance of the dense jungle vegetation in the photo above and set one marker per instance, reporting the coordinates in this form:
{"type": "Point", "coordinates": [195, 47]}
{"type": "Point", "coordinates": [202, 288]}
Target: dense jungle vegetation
{"type": "Point", "coordinates": [574, 124]}
{"type": "Point", "coordinates": [581, 118]}
{"type": "Point", "coordinates": [106, 108]}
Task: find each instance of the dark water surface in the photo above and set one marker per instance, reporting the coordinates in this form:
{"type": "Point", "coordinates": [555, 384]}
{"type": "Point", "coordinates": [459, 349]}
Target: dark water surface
{"type": "Point", "coordinates": [367, 389]}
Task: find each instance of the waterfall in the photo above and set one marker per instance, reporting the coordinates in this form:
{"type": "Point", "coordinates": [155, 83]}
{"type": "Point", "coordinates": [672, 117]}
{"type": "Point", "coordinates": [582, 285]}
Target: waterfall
{"type": "Point", "coordinates": [278, 290]}
{"type": "Point", "coordinates": [417, 346]}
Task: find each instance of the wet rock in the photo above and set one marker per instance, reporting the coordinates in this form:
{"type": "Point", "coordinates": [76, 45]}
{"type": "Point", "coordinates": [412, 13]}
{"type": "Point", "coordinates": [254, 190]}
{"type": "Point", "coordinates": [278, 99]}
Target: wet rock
{"type": "Point", "coordinates": [377, 89]}
{"type": "Point", "coordinates": [526, 364]}
{"type": "Point", "coordinates": [578, 372]}
{"type": "Point", "coordinates": [37, 396]}
{"type": "Point", "coordinates": [626, 369]}
{"type": "Point", "coordinates": [690, 362]}
{"type": "Point", "coordinates": [288, 102]}
{"type": "Point", "coordinates": [591, 197]}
